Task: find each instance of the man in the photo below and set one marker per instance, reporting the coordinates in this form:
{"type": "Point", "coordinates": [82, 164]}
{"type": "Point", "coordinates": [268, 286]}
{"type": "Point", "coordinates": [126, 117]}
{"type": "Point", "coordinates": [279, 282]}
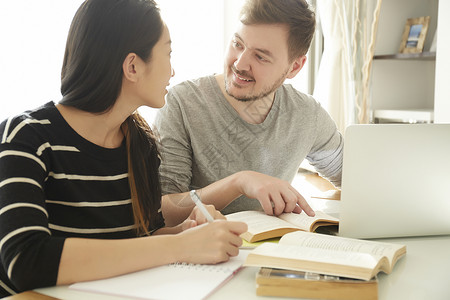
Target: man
{"type": "Point", "coordinates": [213, 128]}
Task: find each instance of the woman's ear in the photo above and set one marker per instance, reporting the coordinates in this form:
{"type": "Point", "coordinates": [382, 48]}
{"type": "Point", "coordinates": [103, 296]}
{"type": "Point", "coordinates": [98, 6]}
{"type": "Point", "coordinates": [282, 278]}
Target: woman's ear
{"type": "Point", "coordinates": [297, 65]}
{"type": "Point", "coordinates": [129, 67]}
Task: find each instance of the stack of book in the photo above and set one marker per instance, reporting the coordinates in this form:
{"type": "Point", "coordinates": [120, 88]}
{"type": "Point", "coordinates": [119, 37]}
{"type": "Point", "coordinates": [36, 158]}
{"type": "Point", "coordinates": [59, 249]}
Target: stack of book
{"type": "Point", "coordinates": [289, 283]}
{"type": "Point", "coordinates": [307, 264]}
{"type": "Point", "coordinates": [319, 266]}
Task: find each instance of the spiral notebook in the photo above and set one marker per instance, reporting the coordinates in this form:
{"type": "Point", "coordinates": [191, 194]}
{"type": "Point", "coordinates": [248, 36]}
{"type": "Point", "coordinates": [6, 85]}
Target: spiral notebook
{"type": "Point", "coordinates": [174, 281]}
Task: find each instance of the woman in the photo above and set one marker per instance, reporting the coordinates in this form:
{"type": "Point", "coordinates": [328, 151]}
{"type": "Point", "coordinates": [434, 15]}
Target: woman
{"type": "Point", "coordinates": [79, 190]}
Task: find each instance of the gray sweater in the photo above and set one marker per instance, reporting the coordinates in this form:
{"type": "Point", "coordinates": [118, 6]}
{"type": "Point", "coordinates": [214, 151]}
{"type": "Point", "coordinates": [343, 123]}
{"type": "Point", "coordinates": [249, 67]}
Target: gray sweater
{"type": "Point", "coordinates": [204, 139]}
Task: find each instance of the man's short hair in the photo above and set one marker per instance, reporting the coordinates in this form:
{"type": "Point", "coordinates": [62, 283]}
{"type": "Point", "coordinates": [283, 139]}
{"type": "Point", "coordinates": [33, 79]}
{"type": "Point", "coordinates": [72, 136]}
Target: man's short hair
{"type": "Point", "coordinates": [296, 14]}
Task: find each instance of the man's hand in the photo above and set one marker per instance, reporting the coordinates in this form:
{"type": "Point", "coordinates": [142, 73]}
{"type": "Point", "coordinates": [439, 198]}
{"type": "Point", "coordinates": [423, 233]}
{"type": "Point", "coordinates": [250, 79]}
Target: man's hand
{"type": "Point", "coordinates": [275, 195]}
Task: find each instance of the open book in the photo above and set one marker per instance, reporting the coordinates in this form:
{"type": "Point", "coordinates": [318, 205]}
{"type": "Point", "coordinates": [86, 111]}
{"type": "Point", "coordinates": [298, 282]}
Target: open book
{"type": "Point", "coordinates": [288, 283]}
{"type": "Point", "coordinates": [262, 226]}
{"type": "Point", "coordinates": [327, 254]}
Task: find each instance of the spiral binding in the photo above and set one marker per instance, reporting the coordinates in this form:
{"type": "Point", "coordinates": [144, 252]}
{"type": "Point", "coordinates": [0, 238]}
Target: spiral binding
{"type": "Point", "coordinates": [200, 267]}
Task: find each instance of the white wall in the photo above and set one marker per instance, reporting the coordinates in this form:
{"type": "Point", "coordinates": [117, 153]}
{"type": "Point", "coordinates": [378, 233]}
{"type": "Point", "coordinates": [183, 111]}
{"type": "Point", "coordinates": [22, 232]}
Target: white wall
{"type": "Point", "coordinates": [442, 92]}
{"type": "Point", "coordinates": [400, 84]}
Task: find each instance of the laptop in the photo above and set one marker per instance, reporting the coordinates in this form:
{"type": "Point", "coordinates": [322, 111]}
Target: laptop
{"type": "Point", "coordinates": [395, 181]}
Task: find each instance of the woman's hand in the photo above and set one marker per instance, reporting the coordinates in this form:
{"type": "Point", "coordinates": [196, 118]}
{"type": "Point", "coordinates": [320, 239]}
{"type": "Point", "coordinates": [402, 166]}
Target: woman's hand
{"type": "Point", "coordinates": [197, 218]}
{"type": "Point", "coordinates": [275, 195]}
{"type": "Point", "coordinates": [212, 243]}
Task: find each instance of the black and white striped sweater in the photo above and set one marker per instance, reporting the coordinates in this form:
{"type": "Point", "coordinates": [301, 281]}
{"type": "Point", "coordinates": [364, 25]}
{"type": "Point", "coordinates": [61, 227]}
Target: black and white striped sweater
{"type": "Point", "coordinates": [55, 184]}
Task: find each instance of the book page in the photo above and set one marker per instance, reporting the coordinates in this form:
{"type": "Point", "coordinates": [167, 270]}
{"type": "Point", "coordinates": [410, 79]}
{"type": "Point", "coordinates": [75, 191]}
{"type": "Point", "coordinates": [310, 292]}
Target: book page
{"type": "Point", "coordinates": [246, 245]}
{"type": "Point", "coordinates": [258, 221]}
{"type": "Point", "coordinates": [306, 222]}
{"type": "Point", "coordinates": [336, 243]}
{"type": "Point", "coordinates": [316, 255]}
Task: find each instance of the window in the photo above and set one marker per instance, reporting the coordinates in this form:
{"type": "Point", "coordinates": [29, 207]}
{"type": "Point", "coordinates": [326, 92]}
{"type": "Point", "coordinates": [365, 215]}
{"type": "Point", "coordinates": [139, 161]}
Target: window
{"type": "Point", "coordinates": [33, 40]}
{"type": "Point", "coordinates": [34, 35]}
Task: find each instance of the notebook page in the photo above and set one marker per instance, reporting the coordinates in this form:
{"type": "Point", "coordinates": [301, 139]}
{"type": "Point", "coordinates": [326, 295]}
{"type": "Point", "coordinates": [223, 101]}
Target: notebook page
{"type": "Point", "coordinates": [175, 281]}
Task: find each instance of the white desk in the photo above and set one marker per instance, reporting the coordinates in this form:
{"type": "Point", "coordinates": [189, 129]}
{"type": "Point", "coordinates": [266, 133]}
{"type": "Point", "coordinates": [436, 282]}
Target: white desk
{"type": "Point", "coordinates": [422, 274]}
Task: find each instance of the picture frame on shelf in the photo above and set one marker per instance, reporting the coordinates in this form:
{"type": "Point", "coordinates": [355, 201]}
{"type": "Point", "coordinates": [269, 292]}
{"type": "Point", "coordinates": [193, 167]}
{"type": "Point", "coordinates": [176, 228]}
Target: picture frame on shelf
{"type": "Point", "coordinates": [414, 35]}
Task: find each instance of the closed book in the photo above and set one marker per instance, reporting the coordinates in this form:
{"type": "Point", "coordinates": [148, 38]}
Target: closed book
{"type": "Point", "coordinates": [298, 284]}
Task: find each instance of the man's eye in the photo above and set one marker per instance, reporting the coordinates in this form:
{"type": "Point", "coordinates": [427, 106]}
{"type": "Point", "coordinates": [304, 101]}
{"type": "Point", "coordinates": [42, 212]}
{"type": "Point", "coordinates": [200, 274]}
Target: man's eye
{"type": "Point", "coordinates": [259, 57]}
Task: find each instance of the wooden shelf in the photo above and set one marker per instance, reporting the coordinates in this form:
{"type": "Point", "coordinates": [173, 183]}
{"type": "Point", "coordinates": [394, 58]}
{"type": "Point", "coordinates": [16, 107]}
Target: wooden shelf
{"type": "Point", "coordinates": [408, 56]}
{"type": "Point", "coordinates": [403, 116]}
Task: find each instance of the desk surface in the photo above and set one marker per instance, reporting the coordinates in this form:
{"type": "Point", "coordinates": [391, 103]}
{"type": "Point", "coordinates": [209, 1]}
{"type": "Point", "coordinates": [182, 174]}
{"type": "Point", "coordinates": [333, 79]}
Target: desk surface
{"type": "Point", "coordinates": [421, 274]}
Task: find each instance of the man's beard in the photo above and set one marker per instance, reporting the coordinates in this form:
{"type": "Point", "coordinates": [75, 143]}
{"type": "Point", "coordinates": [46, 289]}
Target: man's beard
{"type": "Point", "coordinates": [249, 97]}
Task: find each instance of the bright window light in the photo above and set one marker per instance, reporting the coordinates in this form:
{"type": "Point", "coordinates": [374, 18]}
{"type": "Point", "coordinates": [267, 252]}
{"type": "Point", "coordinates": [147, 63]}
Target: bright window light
{"type": "Point", "coordinates": [33, 36]}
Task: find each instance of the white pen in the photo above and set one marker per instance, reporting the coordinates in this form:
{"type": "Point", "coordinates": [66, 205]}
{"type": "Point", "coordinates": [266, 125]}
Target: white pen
{"type": "Point", "coordinates": [200, 206]}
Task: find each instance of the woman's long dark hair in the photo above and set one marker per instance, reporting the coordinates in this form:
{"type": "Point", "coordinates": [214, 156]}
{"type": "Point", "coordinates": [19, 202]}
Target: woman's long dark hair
{"type": "Point", "coordinates": [102, 34]}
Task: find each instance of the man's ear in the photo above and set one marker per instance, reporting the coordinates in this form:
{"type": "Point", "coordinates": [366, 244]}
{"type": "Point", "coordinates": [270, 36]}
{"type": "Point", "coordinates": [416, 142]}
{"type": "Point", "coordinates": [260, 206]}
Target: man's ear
{"type": "Point", "coordinates": [129, 67]}
{"type": "Point", "coordinates": [296, 66]}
